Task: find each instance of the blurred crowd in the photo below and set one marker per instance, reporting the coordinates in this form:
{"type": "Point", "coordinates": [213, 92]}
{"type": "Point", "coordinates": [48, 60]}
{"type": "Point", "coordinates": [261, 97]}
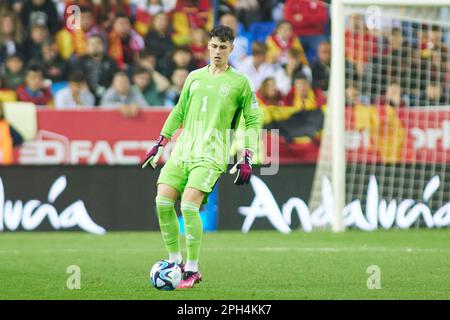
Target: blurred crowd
{"type": "Point", "coordinates": [132, 54]}
{"type": "Point", "coordinates": [401, 63]}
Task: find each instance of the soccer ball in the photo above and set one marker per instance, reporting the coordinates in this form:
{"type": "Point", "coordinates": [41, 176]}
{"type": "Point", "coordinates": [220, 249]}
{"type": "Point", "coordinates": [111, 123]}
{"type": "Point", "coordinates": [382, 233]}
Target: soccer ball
{"type": "Point", "coordinates": [165, 275]}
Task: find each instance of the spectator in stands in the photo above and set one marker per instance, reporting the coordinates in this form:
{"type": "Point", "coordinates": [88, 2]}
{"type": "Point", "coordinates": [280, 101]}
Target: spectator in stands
{"type": "Point", "coordinates": [283, 76]}
{"type": "Point", "coordinates": [434, 55]}
{"type": "Point", "coordinates": [395, 60]}
{"type": "Point", "coordinates": [98, 67]}
{"type": "Point", "coordinates": [124, 42]}
{"type": "Point", "coordinates": [55, 68]}
{"type": "Point", "coordinates": [147, 10]}
{"type": "Point", "coordinates": [14, 71]}
{"type": "Point", "coordinates": [432, 40]}
{"type": "Point", "coordinates": [303, 96]}
{"type": "Point", "coordinates": [353, 96]}
{"type": "Point", "coordinates": [123, 96]}
{"type": "Point", "coordinates": [321, 68]}
{"type": "Point", "coordinates": [393, 96]}
{"type": "Point", "coordinates": [191, 14]}
{"type": "Point", "coordinates": [5, 7]}
{"type": "Point", "coordinates": [12, 6]}
{"type": "Point", "coordinates": [178, 78]}
{"type": "Point", "coordinates": [360, 45]}
{"type": "Point", "coordinates": [74, 40]}
{"type": "Point", "coordinates": [280, 42]}
{"type": "Point", "coordinates": [300, 119]}
{"type": "Point", "coordinates": [309, 19]}
{"type": "Point", "coordinates": [76, 94]}
{"type": "Point", "coordinates": [10, 138]}
{"type": "Point", "coordinates": [159, 40]}
{"type": "Point", "coordinates": [400, 61]}
{"type": "Point", "coordinates": [395, 43]}
{"type": "Point", "coordinates": [40, 12]}
{"type": "Point", "coordinates": [109, 9]}
{"type": "Point", "coordinates": [241, 43]}
{"type": "Point", "coordinates": [433, 95]}
{"type": "Point", "coordinates": [199, 47]}
{"type": "Point", "coordinates": [181, 58]}
{"type": "Point", "coordinates": [7, 95]}
{"type": "Point", "coordinates": [34, 89]}
{"type": "Point", "coordinates": [268, 94]}
{"type": "Point", "coordinates": [147, 59]}
{"type": "Point", "coordinates": [249, 11]}
{"type": "Point", "coordinates": [351, 73]}
{"type": "Point", "coordinates": [33, 46]}
{"type": "Point", "coordinates": [152, 91]}
{"type": "Point", "coordinates": [12, 35]}
{"type": "Point", "coordinates": [439, 64]}
{"type": "Point", "coordinates": [198, 12]}
{"type": "Point", "coordinates": [256, 67]}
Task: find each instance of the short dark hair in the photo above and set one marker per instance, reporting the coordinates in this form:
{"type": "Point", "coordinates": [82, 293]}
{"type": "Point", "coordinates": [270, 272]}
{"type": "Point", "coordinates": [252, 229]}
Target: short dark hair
{"type": "Point", "coordinates": [35, 68]}
{"type": "Point", "coordinates": [15, 56]}
{"type": "Point", "coordinates": [181, 49]}
{"type": "Point", "coordinates": [281, 22]}
{"type": "Point", "coordinates": [435, 28]}
{"type": "Point", "coordinates": [86, 8]}
{"type": "Point", "coordinates": [76, 76]}
{"type": "Point", "coordinates": [48, 42]}
{"type": "Point", "coordinates": [259, 48]}
{"type": "Point", "coordinates": [396, 30]}
{"type": "Point", "coordinates": [141, 70]}
{"type": "Point", "coordinates": [299, 75]}
{"type": "Point", "coordinates": [147, 53]}
{"type": "Point", "coordinates": [224, 33]}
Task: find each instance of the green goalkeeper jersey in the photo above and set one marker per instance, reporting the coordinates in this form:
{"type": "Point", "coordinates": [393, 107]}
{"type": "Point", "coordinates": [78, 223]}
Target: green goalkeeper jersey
{"type": "Point", "coordinates": [209, 110]}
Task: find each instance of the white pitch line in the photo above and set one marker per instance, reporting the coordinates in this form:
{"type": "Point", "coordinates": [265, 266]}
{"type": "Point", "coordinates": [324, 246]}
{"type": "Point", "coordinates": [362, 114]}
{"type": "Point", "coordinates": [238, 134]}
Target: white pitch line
{"type": "Point", "coordinates": [242, 249]}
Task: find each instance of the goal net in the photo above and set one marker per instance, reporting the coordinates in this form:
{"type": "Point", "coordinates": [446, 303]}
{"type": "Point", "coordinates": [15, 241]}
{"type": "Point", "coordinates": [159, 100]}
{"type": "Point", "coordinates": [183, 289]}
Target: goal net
{"type": "Point", "coordinates": [385, 153]}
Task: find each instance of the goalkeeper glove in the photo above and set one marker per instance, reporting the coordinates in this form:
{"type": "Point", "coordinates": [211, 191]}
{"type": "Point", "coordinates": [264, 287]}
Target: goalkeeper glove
{"type": "Point", "coordinates": [243, 168]}
{"type": "Point", "coordinates": [155, 152]}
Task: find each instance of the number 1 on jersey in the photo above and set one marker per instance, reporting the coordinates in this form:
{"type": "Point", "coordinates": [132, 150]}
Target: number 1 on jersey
{"type": "Point", "coordinates": [205, 101]}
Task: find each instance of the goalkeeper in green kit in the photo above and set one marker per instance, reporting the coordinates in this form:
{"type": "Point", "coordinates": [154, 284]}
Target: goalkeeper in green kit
{"type": "Point", "coordinates": [212, 100]}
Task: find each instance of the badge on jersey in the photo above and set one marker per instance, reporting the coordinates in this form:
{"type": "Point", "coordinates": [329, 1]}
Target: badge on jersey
{"type": "Point", "coordinates": [224, 90]}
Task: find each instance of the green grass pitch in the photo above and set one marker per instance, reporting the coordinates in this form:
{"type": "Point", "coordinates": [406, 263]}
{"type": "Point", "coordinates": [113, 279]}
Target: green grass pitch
{"type": "Point", "coordinates": [414, 264]}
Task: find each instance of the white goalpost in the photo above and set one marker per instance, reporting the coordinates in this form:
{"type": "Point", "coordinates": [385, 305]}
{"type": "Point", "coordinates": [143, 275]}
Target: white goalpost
{"type": "Point", "coordinates": [386, 140]}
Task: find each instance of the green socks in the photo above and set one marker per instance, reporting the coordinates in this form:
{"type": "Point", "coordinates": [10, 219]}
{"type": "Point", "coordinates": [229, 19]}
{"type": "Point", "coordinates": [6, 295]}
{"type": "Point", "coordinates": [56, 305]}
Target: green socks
{"type": "Point", "coordinates": [170, 229]}
{"type": "Point", "coordinates": [193, 231]}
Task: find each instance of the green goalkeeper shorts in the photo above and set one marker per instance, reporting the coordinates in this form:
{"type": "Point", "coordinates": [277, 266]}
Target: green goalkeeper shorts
{"type": "Point", "coordinates": [180, 175]}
